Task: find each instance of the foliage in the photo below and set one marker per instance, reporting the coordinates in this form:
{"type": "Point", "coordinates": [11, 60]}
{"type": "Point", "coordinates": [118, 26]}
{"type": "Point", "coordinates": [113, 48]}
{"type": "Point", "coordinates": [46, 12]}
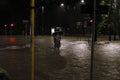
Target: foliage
{"type": "Point", "coordinates": [101, 18]}
{"type": "Point", "coordinates": [102, 23]}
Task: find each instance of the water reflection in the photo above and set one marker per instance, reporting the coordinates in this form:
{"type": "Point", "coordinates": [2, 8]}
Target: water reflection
{"type": "Point", "coordinates": [50, 63]}
{"type": "Point", "coordinates": [12, 39]}
{"type": "Point", "coordinates": [5, 39]}
{"type": "Point", "coordinates": [109, 50]}
{"type": "Point", "coordinates": [77, 54]}
{"type": "Point", "coordinates": [8, 39]}
{"type": "Point", "coordinates": [15, 57]}
{"type": "Point", "coordinates": [106, 66]}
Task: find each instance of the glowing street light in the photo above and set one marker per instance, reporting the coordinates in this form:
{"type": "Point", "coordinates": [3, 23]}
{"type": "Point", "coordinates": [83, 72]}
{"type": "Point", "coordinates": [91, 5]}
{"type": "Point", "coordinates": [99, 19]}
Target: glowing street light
{"type": "Point", "coordinates": [62, 4]}
{"type": "Point", "coordinates": [82, 1]}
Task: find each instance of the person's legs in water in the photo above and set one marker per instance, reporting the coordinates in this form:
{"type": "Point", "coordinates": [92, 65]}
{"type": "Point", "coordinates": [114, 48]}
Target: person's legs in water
{"type": "Point", "coordinates": [57, 44]}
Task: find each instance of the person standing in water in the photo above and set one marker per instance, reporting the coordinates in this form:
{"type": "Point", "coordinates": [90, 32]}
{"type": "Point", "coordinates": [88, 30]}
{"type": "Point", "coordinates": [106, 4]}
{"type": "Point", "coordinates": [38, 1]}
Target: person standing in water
{"type": "Point", "coordinates": [57, 37]}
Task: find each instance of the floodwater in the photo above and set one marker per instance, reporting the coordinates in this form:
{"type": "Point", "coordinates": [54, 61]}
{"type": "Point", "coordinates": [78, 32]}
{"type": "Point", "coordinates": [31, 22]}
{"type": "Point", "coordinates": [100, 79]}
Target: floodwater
{"type": "Point", "coordinates": [107, 61]}
{"type": "Point", "coordinates": [72, 61]}
{"type": "Point", "coordinates": [15, 57]}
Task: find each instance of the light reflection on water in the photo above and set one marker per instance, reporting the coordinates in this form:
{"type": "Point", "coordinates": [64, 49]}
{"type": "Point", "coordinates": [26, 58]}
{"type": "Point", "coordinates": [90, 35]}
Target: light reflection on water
{"type": "Point", "coordinates": [77, 54]}
{"type": "Point", "coordinates": [110, 50]}
{"type": "Point", "coordinates": [12, 39]}
{"type": "Point", "coordinates": [107, 62]}
{"type": "Point", "coordinates": [81, 50]}
{"type": "Point", "coordinates": [7, 39]}
{"type": "Point", "coordinates": [13, 42]}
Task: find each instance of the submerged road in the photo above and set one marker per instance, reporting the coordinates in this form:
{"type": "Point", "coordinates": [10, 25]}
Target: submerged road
{"type": "Point", "coordinates": [71, 62]}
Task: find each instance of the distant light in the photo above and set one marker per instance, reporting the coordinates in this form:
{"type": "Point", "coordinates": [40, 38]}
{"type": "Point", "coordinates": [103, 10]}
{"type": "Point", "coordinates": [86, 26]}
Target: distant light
{"type": "Point", "coordinates": [11, 25]}
{"type": "Point", "coordinates": [43, 9]}
{"type": "Point", "coordinates": [52, 30]}
{"type": "Point", "coordinates": [82, 1]}
{"type": "Point", "coordinates": [5, 25]}
{"type": "Point", "coordinates": [91, 20]}
{"type": "Point", "coordinates": [115, 3]}
{"type": "Point", "coordinates": [62, 4]}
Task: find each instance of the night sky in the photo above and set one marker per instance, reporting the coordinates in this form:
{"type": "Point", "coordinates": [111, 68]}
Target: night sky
{"type": "Point", "coordinates": [13, 10]}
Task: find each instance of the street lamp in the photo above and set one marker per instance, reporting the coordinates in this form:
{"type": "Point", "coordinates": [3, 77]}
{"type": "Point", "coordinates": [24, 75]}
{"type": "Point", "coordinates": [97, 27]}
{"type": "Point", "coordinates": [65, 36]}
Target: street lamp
{"type": "Point", "coordinates": [62, 4]}
{"type": "Point", "coordinates": [82, 1]}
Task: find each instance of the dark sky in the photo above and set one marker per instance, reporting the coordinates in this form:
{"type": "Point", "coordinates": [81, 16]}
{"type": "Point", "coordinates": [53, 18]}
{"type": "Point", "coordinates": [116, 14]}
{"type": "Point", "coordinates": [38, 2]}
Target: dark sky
{"type": "Point", "coordinates": [13, 10]}
{"type": "Point", "coordinates": [18, 10]}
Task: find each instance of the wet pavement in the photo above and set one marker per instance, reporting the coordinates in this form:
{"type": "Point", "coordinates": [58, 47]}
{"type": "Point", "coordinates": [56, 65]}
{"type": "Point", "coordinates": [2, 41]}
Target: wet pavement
{"type": "Point", "coordinates": [15, 57]}
{"type": "Point", "coordinates": [107, 62]}
{"type": "Point", "coordinates": [72, 62]}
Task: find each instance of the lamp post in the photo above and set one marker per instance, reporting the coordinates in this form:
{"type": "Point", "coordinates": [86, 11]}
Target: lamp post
{"type": "Point", "coordinates": [93, 41]}
{"type": "Point", "coordinates": [32, 20]}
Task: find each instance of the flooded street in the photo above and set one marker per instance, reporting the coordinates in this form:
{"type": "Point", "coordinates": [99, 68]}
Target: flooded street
{"type": "Point", "coordinates": [72, 62]}
{"type": "Point", "coordinates": [15, 57]}
{"type": "Point", "coordinates": [107, 62]}
{"type": "Point", "coordinates": [86, 34]}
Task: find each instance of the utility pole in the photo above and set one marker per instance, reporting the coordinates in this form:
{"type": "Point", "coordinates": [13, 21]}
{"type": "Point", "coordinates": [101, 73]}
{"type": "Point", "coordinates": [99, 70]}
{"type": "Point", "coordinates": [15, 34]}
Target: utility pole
{"type": "Point", "coordinates": [93, 41]}
{"type": "Point", "coordinates": [32, 37]}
